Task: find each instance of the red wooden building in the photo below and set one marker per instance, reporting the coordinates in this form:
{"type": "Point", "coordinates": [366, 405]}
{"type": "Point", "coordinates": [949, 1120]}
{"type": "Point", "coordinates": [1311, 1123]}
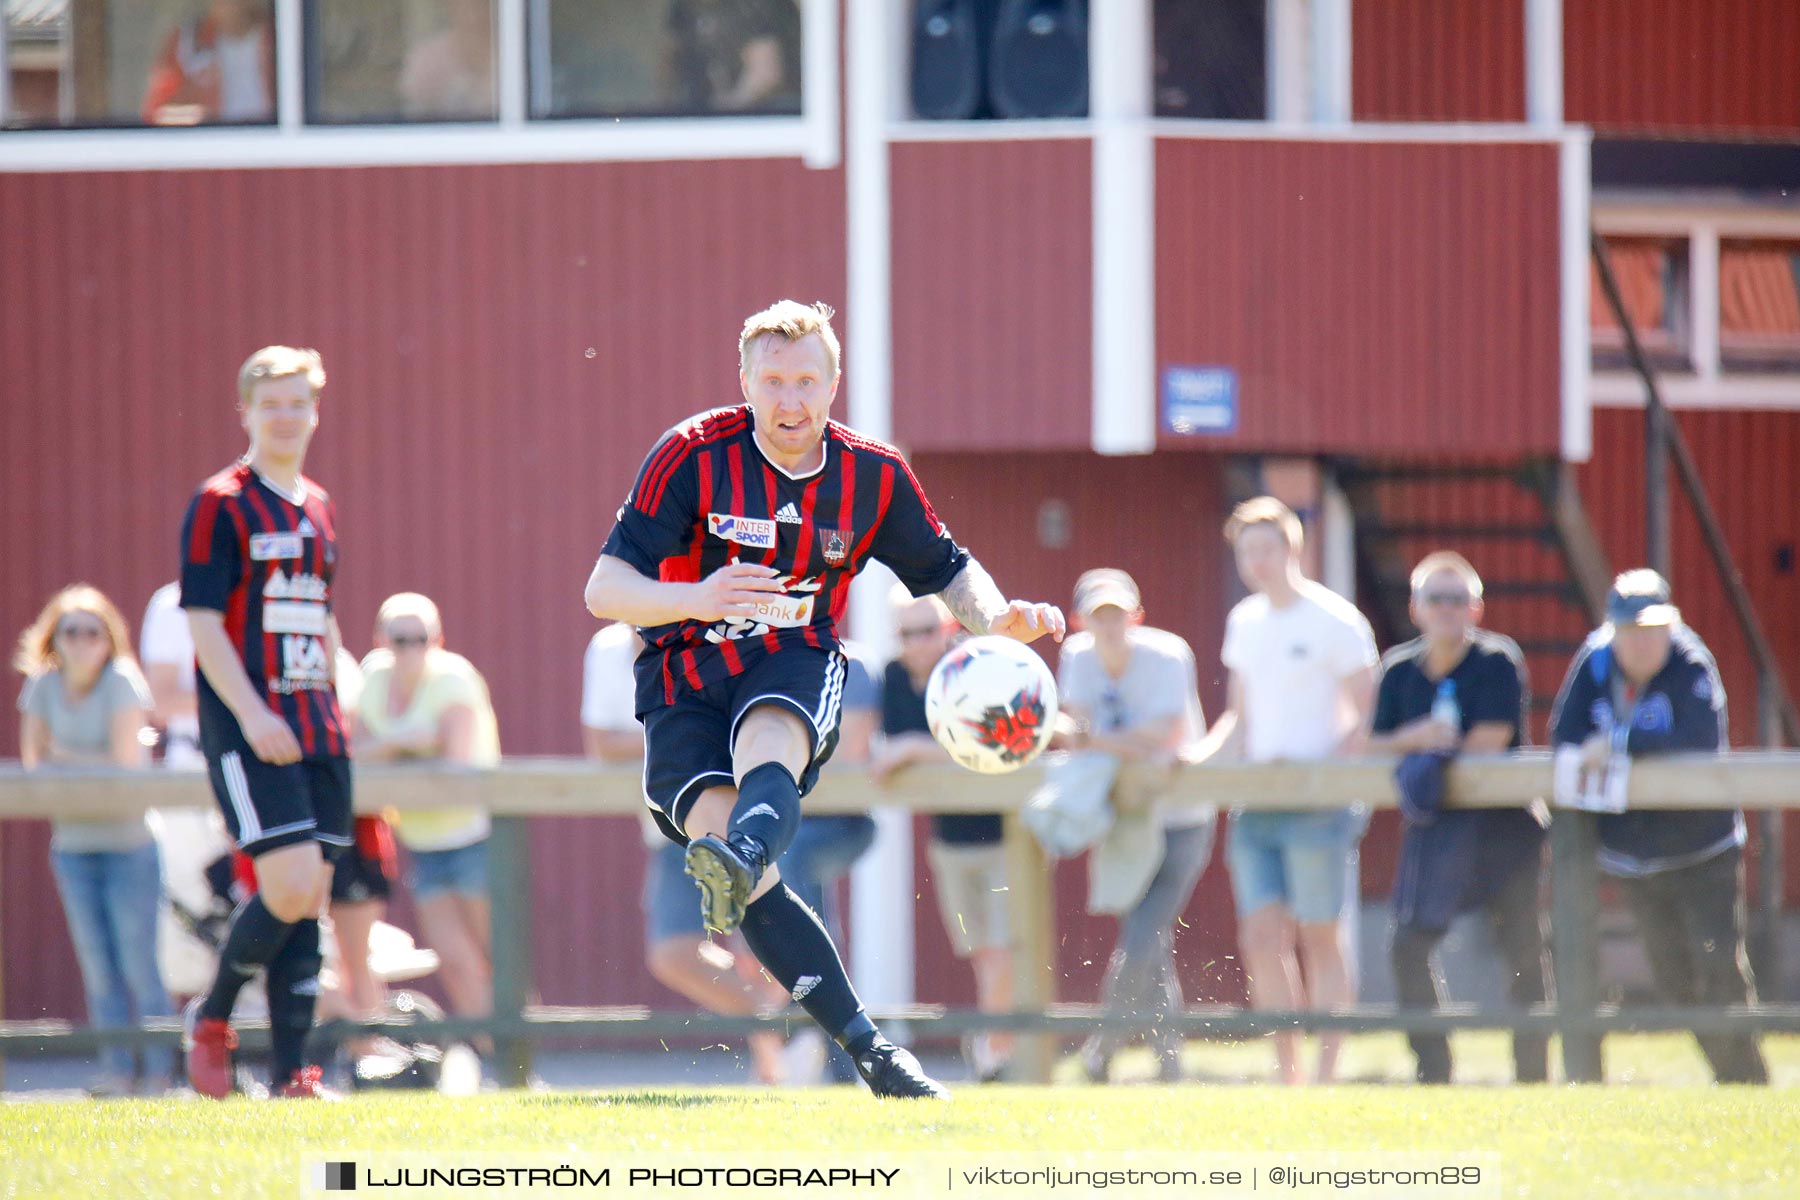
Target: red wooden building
{"type": "Point", "coordinates": [1393, 271]}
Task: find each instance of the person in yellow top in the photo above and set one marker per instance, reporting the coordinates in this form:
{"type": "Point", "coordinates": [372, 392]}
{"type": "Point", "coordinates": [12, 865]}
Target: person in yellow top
{"type": "Point", "coordinates": [423, 702]}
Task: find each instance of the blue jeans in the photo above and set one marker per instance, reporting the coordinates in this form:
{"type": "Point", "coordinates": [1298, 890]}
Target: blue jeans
{"type": "Point", "coordinates": [112, 901]}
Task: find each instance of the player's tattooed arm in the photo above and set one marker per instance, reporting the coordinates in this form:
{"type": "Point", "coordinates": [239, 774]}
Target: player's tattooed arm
{"type": "Point", "coordinates": [974, 599]}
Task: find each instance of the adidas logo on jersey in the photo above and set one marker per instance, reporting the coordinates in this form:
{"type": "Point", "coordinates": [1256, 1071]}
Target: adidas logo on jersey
{"type": "Point", "coordinates": [787, 514]}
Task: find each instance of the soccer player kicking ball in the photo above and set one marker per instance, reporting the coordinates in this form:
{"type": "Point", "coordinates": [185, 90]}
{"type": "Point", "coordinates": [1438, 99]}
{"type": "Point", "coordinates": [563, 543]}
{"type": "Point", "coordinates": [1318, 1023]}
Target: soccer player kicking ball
{"type": "Point", "coordinates": [734, 554]}
{"type": "Point", "coordinates": [258, 557]}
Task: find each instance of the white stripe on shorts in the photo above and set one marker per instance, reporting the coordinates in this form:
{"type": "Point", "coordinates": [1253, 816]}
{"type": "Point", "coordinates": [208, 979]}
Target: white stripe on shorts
{"type": "Point", "coordinates": [825, 716]}
{"type": "Point", "coordinates": [237, 787]}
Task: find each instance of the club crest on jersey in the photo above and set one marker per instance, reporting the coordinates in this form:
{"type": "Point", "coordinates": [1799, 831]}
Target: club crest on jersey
{"type": "Point", "coordinates": [745, 531]}
{"type": "Point", "coordinates": [834, 544]}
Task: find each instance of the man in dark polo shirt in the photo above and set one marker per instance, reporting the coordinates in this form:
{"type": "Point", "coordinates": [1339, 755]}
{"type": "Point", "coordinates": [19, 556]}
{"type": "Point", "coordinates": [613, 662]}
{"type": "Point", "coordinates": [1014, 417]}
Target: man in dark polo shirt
{"type": "Point", "coordinates": [966, 850]}
{"type": "Point", "coordinates": [1459, 688]}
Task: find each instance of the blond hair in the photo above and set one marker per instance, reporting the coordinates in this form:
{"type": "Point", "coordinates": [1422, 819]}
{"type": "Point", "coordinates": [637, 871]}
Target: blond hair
{"type": "Point", "coordinates": [36, 652]}
{"type": "Point", "coordinates": [1266, 510]}
{"type": "Point", "coordinates": [409, 604]}
{"type": "Point", "coordinates": [789, 320]}
{"type": "Point", "coordinates": [279, 362]}
{"type": "Point", "coordinates": [1446, 560]}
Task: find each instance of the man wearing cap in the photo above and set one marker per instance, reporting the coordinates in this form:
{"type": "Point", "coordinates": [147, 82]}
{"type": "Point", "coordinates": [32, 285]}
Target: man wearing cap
{"type": "Point", "coordinates": [1645, 684]}
{"type": "Point", "coordinates": [1132, 692]}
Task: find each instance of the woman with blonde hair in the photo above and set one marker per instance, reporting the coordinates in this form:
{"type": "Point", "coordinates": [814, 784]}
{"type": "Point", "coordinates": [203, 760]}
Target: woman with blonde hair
{"type": "Point", "coordinates": [85, 704]}
{"type": "Point", "coordinates": [421, 702]}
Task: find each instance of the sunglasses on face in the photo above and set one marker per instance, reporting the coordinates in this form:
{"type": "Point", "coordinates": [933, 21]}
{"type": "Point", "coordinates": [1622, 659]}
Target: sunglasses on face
{"type": "Point", "coordinates": [409, 641]}
{"type": "Point", "coordinates": [913, 635]}
{"type": "Point", "coordinates": [74, 633]}
{"type": "Point", "coordinates": [1445, 599]}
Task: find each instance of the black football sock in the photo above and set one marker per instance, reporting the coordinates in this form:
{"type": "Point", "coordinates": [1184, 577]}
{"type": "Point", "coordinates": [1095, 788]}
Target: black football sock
{"type": "Point", "coordinates": [256, 934]}
{"type": "Point", "coordinates": [789, 941]}
{"type": "Point", "coordinates": [767, 809]}
{"type": "Point", "coordinates": [293, 991]}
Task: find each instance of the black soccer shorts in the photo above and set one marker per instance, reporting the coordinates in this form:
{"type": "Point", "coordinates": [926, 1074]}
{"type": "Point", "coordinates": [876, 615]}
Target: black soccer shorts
{"type": "Point", "coordinates": [688, 744]}
{"type": "Point", "coordinates": [267, 806]}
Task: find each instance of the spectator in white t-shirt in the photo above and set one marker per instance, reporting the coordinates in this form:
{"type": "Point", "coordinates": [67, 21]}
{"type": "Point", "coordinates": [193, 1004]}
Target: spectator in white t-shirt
{"type": "Point", "coordinates": [187, 838]}
{"type": "Point", "coordinates": [166, 651]}
{"type": "Point", "coordinates": [1133, 693]}
{"type": "Point", "coordinates": [1302, 680]}
{"type": "Point", "coordinates": [718, 976]}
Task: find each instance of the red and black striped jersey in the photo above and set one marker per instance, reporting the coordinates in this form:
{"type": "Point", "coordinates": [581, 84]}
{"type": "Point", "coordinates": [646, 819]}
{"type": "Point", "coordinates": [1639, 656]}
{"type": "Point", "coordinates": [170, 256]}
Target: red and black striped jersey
{"type": "Point", "coordinates": [706, 497]}
{"type": "Point", "coordinates": [266, 561]}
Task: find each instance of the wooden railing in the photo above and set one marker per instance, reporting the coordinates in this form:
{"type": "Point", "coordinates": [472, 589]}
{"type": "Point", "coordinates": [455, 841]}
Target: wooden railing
{"type": "Point", "coordinates": [522, 788]}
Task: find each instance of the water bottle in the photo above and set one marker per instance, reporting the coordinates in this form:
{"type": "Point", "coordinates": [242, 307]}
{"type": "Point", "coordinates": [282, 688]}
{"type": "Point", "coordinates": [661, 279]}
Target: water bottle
{"type": "Point", "coordinates": [1444, 709]}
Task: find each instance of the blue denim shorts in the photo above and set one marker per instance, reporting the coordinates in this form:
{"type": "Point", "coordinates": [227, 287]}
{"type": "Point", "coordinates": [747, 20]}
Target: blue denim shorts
{"type": "Point", "coordinates": [1300, 859]}
{"type": "Point", "coordinates": [671, 903]}
{"type": "Point", "coordinates": [461, 870]}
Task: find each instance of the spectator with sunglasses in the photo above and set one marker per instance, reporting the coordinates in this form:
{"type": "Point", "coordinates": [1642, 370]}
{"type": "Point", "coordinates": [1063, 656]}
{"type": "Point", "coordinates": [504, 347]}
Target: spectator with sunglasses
{"type": "Point", "coordinates": [85, 704]}
{"type": "Point", "coordinates": [421, 702]}
{"type": "Point", "coordinates": [1458, 688]}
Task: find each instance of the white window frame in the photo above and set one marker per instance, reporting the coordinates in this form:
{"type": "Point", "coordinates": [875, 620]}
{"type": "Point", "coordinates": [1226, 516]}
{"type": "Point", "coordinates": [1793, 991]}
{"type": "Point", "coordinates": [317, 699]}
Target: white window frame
{"type": "Point", "coordinates": [813, 136]}
{"type": "Point", "coordinates": [1704, 385]}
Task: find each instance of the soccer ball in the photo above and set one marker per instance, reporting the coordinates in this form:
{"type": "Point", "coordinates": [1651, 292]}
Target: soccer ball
{"type": "Point", "coordinates": [991, 703]}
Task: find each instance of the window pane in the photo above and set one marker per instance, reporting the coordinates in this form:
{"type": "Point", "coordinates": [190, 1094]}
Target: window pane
{"type": "Point", "coordinates": [400, 60]}
{"type": "Point", "coordinates": [96, 63]}
{"type": "Point", "coordinates": [1212, 59]}
{"type": "Point", "coordinates": [1652, 277]}
{"type": "Point", "coordinates": [1759, 305]}
{"type": "Point", "coordinates": [602, 58]}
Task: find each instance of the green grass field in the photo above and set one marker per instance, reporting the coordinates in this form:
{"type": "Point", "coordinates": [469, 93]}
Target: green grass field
{"type": "Point", "coordinates": [1639, 1140]}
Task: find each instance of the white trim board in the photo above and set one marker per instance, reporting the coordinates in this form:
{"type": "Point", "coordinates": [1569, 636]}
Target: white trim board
{"type": "Point", "coordinates": [1768, 392]}
{"type": "Point", "coordinates": [1270, 131]}
{"type": "Point", "coordinates": [633, 140]}
{"type": "Point", "coordinates": [1681, 218]}
{"type": "Point", "coordinates": [680, 139]}
{"type": "Point", "coordinates": [1575, 366]}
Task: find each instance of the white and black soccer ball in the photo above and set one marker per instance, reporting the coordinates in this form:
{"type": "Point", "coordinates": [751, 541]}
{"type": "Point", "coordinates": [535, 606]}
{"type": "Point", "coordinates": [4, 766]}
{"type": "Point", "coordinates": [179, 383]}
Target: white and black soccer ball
{"type": "Point", "coordinates": [991, 702]}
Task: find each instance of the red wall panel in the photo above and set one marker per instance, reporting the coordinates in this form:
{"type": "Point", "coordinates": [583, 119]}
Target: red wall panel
{"type": "Point", "coordinates": [1372, 297]}
{"type": "Point", "coordinates": [503, 344]}
{"type": "Point", "coordinates": [1424, 60]}
{"type": "Point", "coordinates": [992, 278]}
{"type": "Point", "coordinates": [1722, 67]}
{"type": "Point", "coordinates": [1158, 517]}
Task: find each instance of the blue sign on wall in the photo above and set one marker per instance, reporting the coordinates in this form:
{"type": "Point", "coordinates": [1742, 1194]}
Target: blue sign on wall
{"type": "Point", "coordinates": [1199, 399]}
